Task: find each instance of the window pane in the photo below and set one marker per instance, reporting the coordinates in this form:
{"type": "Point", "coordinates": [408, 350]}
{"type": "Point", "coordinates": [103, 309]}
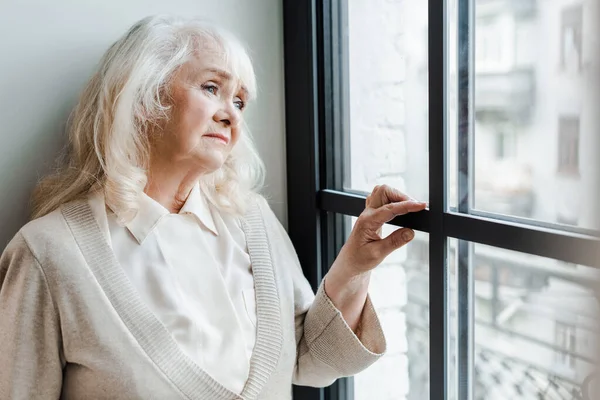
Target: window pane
{"type": "Point", "coordinates": [399, 290]}
{"type": "Point", "coordinates": [535, 323]}
{"type": "Point", "coordinates": [535, 113]}
{"type": "Point", "coordinates": [388, 119]}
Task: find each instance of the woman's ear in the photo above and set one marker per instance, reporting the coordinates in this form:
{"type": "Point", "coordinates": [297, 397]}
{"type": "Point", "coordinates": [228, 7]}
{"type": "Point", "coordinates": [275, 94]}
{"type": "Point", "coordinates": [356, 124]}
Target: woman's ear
{"type": "Point", "coordinates": [165, 93]}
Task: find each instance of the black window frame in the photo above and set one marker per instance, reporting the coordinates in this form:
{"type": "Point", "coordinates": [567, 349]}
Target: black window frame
{"type": "Point", "coordinates": [317, 201]}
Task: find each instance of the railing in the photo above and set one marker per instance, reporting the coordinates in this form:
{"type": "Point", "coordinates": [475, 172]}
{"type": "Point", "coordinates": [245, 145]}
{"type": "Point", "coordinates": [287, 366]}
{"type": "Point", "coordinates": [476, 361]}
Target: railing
{"type": "Point", "coordinates": [504, 95]}
{"type": "Point", "coordinates": [497, 374]}
{"type": "Point", "coordinates": [517, 7]}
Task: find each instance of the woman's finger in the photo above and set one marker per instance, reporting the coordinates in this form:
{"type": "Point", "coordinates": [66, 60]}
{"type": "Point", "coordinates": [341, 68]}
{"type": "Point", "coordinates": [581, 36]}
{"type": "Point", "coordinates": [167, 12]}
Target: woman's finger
{"type": "Point", "coordinates": [388, 212]}
{"type": "Point", "coordinates": [395, 240]}
{"type": "Point", "coordinates": [385, 194]}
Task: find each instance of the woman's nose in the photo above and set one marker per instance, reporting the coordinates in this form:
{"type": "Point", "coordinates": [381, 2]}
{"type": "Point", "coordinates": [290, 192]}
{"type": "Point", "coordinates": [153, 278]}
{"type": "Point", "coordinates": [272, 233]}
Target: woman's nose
{"type": "Point", "coordinates": [227, 115]}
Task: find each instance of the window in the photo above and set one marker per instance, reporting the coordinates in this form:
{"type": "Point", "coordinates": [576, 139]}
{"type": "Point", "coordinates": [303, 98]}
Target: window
{"type": "Point", "coordinates": [494, 43]}
{"type": "Point", "coordinates": [500, 146]}
{"type": "Point", "coordinates": [399, 290]}
{"type": "Point", "coordinates": [567, 219]}
{"type": "Point", "coordinates": [504, 147]}
{"type": "Point", "coordinates": [571, 37]}
{"type": "Point", "coordinates": [391, 94]}
{"type": "Point", "coordinates": [568, 146]}
{"type": "Point", "coordinates": [518, 301]}
{"type": "Point", "coordinates": [515, 146]}
{"type": "Point", "coordinates": [566, 341]}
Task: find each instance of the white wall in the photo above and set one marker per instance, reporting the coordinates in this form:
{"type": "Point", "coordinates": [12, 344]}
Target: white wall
{"type": "Point", "coordinates": [48, 50]}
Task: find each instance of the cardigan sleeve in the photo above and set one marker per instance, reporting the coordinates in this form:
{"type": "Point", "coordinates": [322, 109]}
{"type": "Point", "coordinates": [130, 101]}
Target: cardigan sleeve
{"type": "Point", "coordinates": [30, 337]}
{"type": "Point", "coordinates": [326, 347]}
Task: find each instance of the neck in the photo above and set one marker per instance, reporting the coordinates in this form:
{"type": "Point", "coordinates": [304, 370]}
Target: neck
{"type": "Point", "coordinates": [171, 188]}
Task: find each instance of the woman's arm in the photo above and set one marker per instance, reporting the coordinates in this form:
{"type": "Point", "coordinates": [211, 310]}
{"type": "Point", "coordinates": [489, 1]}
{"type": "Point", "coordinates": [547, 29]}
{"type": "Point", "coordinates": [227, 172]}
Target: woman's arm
{"type": "Point", "coordinates": [338, 332]}
{"type": "Point", "coordinates": [347, 281]}
{"type": "Point", "coordinates": [30, 338]}
{"type": "Point", "coordinates": [326, 347]}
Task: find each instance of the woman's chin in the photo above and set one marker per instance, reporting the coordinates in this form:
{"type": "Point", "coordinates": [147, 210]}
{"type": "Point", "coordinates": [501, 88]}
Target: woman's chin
{"type": "Point", "coordinates": [213, 163]}
{"type": "Point", "coordinates": [208, 160]}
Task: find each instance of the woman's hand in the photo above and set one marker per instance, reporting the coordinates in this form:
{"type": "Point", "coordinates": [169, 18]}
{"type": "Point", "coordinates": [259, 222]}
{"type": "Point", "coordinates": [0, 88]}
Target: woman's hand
{"type": "Point", "coordinates": [365, 249]}
{"type": "Point", "coordinates": [347, 281]}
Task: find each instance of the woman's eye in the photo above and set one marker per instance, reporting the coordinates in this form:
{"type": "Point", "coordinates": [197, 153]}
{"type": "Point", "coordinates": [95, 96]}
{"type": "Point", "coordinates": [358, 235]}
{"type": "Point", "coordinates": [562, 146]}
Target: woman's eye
{"type": "Point", "coordinates": [212, 89]}
{"type": "Point", "coordinates": [239, 104]}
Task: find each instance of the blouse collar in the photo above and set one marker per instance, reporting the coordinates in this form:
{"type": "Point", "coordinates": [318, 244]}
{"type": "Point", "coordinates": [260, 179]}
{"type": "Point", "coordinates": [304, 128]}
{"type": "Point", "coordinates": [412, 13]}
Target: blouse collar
{"type": "Point", "coordinates": [151, 212]}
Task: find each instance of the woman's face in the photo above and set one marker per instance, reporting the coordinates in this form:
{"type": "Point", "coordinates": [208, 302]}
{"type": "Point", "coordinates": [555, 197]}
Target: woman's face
{"type": "Point", "coordinates": [206, 115]}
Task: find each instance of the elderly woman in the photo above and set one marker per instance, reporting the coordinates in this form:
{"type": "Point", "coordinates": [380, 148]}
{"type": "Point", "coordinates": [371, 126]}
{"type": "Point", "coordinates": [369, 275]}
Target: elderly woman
{"type": "Point", "coordinates": [154, 269]}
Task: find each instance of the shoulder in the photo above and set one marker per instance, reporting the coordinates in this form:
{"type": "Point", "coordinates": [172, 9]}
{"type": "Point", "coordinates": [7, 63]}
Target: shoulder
{"type": "Point", "coordinates": [31, 242]}
{"type": "Point", "coordinates": [46, 235]}
{"type": "Point", "coordinates": [45, 230]}
{"type": "Point", "coordinates": [275, 231]}
{"type": "Point", "coordinates": [262, 203]}
{"type": "Point", "coordinates": [260, 217]}
{"type": "Point", "coordinates": [272, 223]}
{"type": "Point", "coordinates": [49, 242]}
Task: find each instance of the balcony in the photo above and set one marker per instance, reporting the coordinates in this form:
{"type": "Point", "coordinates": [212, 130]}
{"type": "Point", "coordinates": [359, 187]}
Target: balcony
{"type": "Point", "coordinates": [521, 8]}
{"type": "Point", "coordinates": [518, 301]}
{"type": "Point", "coordinates": [505, 96]}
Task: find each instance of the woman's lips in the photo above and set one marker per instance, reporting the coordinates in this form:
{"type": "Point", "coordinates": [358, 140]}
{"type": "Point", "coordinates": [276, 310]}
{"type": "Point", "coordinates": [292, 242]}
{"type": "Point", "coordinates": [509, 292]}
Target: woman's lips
{"type": "Point", "coordinates": [218, 136]}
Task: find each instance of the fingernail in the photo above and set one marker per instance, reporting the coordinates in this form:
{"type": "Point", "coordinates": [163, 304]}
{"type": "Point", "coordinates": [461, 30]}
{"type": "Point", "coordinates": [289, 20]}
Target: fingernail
{"type": "Point", "coordinates": [408, 235]}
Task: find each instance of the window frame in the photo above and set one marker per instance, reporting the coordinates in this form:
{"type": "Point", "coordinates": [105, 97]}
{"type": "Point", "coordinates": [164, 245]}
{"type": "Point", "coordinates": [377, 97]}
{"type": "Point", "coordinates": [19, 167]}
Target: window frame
{"type": "Point", "coordinates": [572, 18]}
{"type": "Point", "coordinates": [317, 202]}
{"type": "Point", "coordinates": [569, 133]}
{"type": "Point", "coordinates": [566, 340]}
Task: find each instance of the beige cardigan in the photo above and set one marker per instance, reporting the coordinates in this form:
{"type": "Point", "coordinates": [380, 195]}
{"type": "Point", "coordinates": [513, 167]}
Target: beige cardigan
{"type": "Point", "coordinates": [72, 326]}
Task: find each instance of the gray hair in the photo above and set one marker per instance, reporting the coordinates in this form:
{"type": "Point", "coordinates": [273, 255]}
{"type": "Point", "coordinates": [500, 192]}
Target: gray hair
{"type": "Point", "coordinates": [108, 144]}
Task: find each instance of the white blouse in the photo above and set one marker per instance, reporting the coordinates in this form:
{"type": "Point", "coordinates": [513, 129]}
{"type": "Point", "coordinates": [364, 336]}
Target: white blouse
{"type": "Point", "coordinates": [194, 272]}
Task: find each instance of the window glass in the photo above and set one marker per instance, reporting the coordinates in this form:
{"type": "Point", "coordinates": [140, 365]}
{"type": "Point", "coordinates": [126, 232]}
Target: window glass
{"type": "Point", "coordinates": [535, 324]}
{"type": "Point", "coordinates": [388, 96]}
{"type": "Point", "coordinates": [399, 290]}
{"type": "Point", "coordinates": [535, 119]}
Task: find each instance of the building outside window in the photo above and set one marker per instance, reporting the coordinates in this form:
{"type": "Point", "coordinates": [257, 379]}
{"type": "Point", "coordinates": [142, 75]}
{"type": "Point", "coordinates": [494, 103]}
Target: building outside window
{"type": "Point", "coordinates": [568, 147]}
{"type": "Point", "coordinates": [376, 121]}
{"type": "Point", "coordinates": [566, 340]}
{"type": "Point", "coordinates": [571, 37]}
